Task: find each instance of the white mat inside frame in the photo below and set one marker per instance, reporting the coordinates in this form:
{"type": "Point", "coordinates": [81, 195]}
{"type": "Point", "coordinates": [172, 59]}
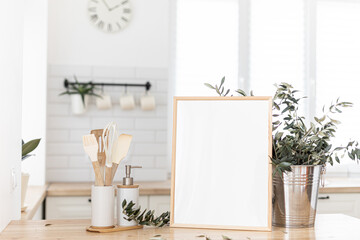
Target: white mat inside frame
{"type": "Point", "coordinates": [221, 170]}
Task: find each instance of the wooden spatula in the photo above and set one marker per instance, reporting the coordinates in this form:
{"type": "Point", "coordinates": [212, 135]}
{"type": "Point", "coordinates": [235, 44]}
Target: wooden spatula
{"type": "Point", "coordinates": [91, 148]}
{"type": "Point", "coordinates": [120, 151]}
{"type": "Point", "coordinates": [101, 153]}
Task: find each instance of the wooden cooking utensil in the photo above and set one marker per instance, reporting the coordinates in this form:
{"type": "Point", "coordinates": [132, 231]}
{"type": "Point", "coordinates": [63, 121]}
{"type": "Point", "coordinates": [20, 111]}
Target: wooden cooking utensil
{"type": "Point", "coordinates": [91, 148]}
{"type": "Point", "coordinates": [101, 153]}
{"type": "Point", "coordinates": [120, 151]}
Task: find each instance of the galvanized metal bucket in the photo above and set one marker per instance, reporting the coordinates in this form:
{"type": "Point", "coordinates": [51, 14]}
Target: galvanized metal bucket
{"type": "Point", "coordinates": [295, 196]}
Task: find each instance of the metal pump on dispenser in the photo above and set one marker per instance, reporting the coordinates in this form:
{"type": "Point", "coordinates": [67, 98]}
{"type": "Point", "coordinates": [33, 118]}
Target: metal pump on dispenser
{"type": "Point", "coordinates": [129, 192]}
{"type": "Point", "coordinates": [128, 180]}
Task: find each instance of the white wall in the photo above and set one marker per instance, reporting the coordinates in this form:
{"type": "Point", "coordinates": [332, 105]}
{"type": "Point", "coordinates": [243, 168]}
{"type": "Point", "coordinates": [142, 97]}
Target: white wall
{"type": "Point", "coordinates": [11, 41]}
{"type": "Point", "coordinates": [74, 41]}
{"type": "Point", "coordinates": [66, 159]}
{"type": "Point", "coordinates": [137, 54]}
{"type": "Point", "coordinates": [34, 86]}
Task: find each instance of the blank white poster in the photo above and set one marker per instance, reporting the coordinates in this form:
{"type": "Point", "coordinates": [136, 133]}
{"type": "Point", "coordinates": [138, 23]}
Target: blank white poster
{"type": "Point", "coordinates": [222, 164]}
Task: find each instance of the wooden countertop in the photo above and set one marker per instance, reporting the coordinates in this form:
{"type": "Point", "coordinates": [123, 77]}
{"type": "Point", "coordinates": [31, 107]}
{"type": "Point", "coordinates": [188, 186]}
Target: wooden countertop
{"type": "Point", "coordinates": [328, 226]}
{"type": "Point", "coordinates": [84, 189]}
{"type": "Point", "coordinates": [35, 195]}
{"type": "Point", "coordinates": [333, 185]}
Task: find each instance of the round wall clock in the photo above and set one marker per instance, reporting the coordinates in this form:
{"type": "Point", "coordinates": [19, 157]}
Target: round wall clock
{"type": "Point", "coordinates": [109, 15]}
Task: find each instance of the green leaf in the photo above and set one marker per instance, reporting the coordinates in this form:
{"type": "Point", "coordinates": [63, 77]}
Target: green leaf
{"type": "Point", "coordinates": [30, 146]}
{"type": "Point", "coordinates": [225, 237]}
{"type": "Point", "coordinates": [276, 106]}
{"type": "Point", "coordinates": [227, 92]}
{"type": "Point", "coordinates": [209, 85]}
{"type": "Point", "coordinates": [241, 92]}
{"type": "Point", "coordinates": [217, 90]}
{"type": "Point", "coordinates": [278, 135]}
{"type": "Point", "coordinates": [123, 203]}
{"type": "Point", "coordinates": [337, 159]}
{"type": "Point", "coordinates": [222, 82]}
{"type": "Point", "coordinates": [335, 121]}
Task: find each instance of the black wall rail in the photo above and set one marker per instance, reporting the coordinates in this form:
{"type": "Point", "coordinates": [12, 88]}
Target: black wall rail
{"type": "Point", "coordinates": [147, 85]}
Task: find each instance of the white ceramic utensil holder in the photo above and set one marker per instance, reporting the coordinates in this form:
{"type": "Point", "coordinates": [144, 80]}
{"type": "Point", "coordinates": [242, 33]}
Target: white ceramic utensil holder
{"type": "Point", "coordinates": [102, 206]}
{"type": "Point", "coordinates": [130, 193]}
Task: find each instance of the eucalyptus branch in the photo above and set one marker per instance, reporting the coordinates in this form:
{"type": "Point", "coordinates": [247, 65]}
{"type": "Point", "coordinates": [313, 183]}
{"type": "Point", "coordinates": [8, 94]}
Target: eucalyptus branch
{"type": "Point", "coordinates": [145, 217]}
{"type": "Point", "coordinates": [296, 144]}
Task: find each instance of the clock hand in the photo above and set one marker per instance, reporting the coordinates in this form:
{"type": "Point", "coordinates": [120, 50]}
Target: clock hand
{"type": "Point", "coordinates": [107, 6]}
{"type": "Point", "coordinates": [114, 7]}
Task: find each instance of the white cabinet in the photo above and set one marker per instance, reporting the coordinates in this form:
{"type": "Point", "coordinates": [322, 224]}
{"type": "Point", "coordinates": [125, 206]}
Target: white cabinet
{"type": "Point", "coordinates": [68, 208]}
{"type": "Point", "coordinates": [80, 207]}
{"type": "Point", "coordinates": [345, 203]}
{"type": "Point", "coordinates": [159, 203]}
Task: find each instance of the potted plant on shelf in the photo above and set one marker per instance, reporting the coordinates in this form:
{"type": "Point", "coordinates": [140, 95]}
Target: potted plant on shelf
{"type": "Point", "coordinates": [26, 149]}
{"type": "Point", "coordinates": [299, 154]}
{"type": "Point", "coordinates": [79, 93]}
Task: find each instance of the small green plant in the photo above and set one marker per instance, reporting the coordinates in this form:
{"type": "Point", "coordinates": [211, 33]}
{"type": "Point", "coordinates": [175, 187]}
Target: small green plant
{"type": "Point", "coordinates": [295, 143]}
{"type": "Point", "coordinates": [28, 148]}
{"type": "Point", "coordinates": [145, 217]}
{"type": "Point", "coordinates": [82, 89]}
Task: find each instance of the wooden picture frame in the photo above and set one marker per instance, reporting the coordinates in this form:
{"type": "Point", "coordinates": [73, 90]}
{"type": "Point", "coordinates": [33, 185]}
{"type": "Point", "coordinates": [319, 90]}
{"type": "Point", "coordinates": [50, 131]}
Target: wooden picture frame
{"type": "Point", "coordinates": [201, 183]}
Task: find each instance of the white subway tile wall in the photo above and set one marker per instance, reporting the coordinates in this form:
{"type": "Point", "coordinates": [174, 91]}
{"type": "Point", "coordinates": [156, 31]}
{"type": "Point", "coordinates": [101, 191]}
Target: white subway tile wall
{"type": "Point", "coordinates": [66, 159]}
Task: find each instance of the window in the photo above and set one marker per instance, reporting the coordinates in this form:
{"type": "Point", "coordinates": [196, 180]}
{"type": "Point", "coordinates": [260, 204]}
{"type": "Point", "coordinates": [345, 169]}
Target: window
{"type": "Point", "coordinates": [312, 44]}
{"type": "Point", "coordinates": [276, 44]}
{"type": "Point", "coordinates": [338, 63]}
{"type": "Point", "coordinates": [206, 45]}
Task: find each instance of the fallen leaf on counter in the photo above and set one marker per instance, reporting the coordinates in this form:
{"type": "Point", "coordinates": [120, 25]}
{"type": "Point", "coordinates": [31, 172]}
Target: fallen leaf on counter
{"type": "Point", "coordinates": [157, 238]}
{"type": "Point", "coordinates": [225, 237]}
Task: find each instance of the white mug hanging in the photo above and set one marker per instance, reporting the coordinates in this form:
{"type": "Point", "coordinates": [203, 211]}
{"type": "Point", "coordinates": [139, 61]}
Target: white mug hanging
{"type": "Point", "coordinates": [147, 102]}
{"type": "Point", "coordinates": [127, 101]}
{"type": "Point", "coordinates": [104, 101]}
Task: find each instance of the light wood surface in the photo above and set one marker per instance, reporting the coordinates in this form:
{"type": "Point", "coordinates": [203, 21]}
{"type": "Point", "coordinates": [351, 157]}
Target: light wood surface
{"type": "Point", "coordinates": [269, 154]}
{"type": "Point", "coordinates": [341, 185]}
{"type": "Point", "coordinates": [35, 195]}
{"type": "Point", "coordinates": [332, 226]}
{"type": "Point", "coordinates": [99, 179]}
{"type": "Point", "coordinates": [108, 176]}
{"type": "Point", "coordinates": [84, 189]}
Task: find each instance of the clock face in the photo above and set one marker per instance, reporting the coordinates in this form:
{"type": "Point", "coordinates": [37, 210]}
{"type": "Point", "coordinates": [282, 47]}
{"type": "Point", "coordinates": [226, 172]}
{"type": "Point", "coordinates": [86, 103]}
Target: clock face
{"type": "Point", "coordinates": [109, 15]}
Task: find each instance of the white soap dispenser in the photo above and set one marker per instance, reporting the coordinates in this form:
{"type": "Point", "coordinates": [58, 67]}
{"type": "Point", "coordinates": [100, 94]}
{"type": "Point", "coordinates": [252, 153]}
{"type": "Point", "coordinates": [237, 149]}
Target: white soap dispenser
{"type": "Point", "coordinates": [129, 192]}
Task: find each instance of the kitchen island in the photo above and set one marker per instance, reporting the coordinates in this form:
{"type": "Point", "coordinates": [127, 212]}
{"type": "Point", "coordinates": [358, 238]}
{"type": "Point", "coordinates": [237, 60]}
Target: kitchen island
{"type": "Point", "coordinates": [328, 226]}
